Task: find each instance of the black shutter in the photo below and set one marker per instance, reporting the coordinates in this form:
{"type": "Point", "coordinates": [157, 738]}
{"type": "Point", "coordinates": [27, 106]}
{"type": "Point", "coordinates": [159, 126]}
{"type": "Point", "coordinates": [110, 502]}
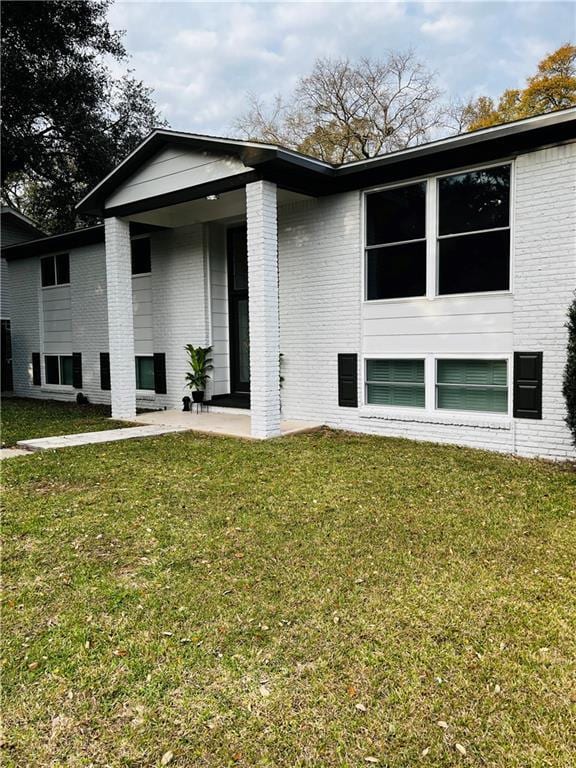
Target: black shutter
{"type": "Point", "coordinates": [77, 370]}
{"type": "Point", "coordinates": [36, 374]}
{"type": "Point", "coordinates": [104, 370]}
{"type": "Point", "coordinates": [160, 373]}
{"type": "Point", "coordinates": [348, 381]}
{"type": "Point", "coordinates": [527, 385]}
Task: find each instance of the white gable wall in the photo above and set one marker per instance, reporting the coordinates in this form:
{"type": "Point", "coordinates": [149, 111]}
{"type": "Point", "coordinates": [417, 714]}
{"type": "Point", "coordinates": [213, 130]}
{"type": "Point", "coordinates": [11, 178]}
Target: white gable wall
{"type": "Point", "coordinates": [173, 169]}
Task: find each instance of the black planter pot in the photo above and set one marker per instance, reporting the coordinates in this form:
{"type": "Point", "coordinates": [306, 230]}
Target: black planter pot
{"type": "Point", "coordinates": [198, 395]}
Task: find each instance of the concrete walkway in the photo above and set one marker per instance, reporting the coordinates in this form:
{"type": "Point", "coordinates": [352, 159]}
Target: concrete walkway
{"type": "Point", "coordinates": [91, 438]}
{"type": "Point", "coordinates": [11, 453]}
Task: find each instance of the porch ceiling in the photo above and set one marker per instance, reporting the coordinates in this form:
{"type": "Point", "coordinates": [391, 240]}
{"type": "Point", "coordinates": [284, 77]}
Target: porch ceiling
{"type": "Point", "coordinates": [228, 205]}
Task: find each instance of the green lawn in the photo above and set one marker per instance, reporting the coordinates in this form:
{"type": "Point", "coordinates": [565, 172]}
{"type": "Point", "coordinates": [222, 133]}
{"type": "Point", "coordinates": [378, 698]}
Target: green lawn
{"type": "Point", "coordinates": [311, 601]}
{"type": "Point", "coordinates": [23, 419]}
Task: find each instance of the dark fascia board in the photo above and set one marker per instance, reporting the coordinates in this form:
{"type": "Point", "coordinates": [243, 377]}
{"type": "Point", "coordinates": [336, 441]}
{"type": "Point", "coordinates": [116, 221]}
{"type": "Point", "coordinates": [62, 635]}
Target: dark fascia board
{"type": "Point", "coordinates": [252, 154]}
{"type": "Point", "coordinates": [67, 241]}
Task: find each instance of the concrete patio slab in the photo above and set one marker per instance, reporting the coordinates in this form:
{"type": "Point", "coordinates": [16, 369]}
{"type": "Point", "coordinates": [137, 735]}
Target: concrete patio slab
{"type": "Point", "coordinates": [219, 422]}
{"type": "Point", "coordinates": [90, 438]}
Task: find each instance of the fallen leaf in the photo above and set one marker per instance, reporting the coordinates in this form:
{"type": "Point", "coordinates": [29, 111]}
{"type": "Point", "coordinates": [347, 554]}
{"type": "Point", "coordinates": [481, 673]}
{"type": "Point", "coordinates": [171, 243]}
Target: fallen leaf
{"type": "Point", "coordinates": [370, 759]}
{"type": "Point", "coordinates": [33, 665]}
{"type": "Point", "coordinates": [120, 652]}
{"type": "Point", "coordinates": [460, 748]}
{"type": "Point", "coordinates": [425, 751]}
{"type": "Point", "coordinates": [264, 691]}
{"type": "Point", "coordinates": [352, 691]}
{"type": "Point", "coordinates": [167, 758]}
{"type": "Point", "coordinates": [361, 707]}
{"type": "Point", "coordinates": [442, 724]}
{"type": "Point", "coordinates": [497, 688]}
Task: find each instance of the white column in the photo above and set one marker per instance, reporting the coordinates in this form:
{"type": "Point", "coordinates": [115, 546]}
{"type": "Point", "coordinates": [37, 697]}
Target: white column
{"type": "Point", "coordinates": [263, 309]}
{"type": "Point", "coordinates": [120, 318]}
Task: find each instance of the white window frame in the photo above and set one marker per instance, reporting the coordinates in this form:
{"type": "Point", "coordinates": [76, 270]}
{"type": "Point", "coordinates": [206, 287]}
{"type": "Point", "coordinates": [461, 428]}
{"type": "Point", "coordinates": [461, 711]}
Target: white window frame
{"type": "Point", "coordinates": [53, 256]}
{"type": "Point", "coordinates": [145, 394]}
{"type": "Point", "coordinates": [55, 387]}
{"type": "Point", "coordinates": [430, 411]}
{"type": "Point", "coordinates": [141, 274]}
{"type": "Point", "coordinates": [432, 250]}
{"type": "Point", "coordinates": [404, 408]}
{"type": "Point", "coordinates": [485, 414]}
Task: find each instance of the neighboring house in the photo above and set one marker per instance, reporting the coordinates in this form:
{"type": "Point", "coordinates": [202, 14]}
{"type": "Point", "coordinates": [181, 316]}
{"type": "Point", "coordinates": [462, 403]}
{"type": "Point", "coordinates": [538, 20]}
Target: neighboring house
{"type": "Point", "coordinates": [420, 294]}
{"type": "Point", "coordinates": [14, 228]}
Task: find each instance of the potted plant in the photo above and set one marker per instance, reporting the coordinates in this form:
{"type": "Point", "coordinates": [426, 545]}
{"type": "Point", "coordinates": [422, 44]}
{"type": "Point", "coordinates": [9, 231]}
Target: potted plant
{"type": "Point", "coordinates": [200, 363]}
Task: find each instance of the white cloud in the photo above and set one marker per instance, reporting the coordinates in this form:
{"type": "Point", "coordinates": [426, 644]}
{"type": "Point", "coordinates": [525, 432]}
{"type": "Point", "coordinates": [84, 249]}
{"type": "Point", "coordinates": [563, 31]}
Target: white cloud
{"type": "Point", "coordinates": [447, 27]}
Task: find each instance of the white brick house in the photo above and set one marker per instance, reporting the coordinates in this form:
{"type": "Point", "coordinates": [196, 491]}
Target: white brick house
{"type": "Point", "coordinates": [420, 294]}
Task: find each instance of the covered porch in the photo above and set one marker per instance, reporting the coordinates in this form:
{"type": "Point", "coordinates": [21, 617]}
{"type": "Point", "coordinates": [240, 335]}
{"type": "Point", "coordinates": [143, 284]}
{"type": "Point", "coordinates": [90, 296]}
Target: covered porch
{"type": "Point", "coordinates": [173, 186]}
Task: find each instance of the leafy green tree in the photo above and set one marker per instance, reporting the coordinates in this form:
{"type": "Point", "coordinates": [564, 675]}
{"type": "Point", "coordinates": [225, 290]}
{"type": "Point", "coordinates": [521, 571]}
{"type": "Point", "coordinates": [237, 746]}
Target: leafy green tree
{"type": "Point", "coordinates": [552, 87]}
{"type": "Point", "coordinates": [66, 120]}
{"type": "Point", "coordinates": [569, 388]}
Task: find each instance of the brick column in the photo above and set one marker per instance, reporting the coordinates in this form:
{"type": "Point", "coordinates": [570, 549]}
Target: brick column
{"type": "Point", "coordinates": [120, 318]}
{"type": "Point", "coordinates": [263, 309]}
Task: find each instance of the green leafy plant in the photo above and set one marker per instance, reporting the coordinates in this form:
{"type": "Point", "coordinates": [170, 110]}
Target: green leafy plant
{"type": "Point", "coordinates": [569, 386]}
{"type": "Point", "coordinates": [200, 364]}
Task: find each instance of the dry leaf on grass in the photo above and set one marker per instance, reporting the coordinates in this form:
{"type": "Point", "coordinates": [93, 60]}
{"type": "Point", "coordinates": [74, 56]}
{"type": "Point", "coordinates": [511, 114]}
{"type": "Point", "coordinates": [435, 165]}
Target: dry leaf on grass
{"type": "Point", "coordinates": [460, 748]}
{"type": "Point", "coordinates": [442, 724]}
{"type": "Point", "coordinates": [167, 758]}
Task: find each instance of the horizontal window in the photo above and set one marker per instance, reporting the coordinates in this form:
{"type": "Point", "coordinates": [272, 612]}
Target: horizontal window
{"type": "Point", "coordinates": [396, 271]}
{"type": "Point", "coordinates": [145, 373]}
{"type": "Point", "coordinates": [55, 270]}
{"type": "Point", "coordinates": [472, 385]}
{"type": "Point", "coordinates": [396, 242]}
{"type": "Point", "coordinates": [141, 256]}
{"type": "Point", "coordinates": [395, 382]}
{"type": "Point", "coordinates": [58, 369]}
{"type": "Point", "coordinates": [474, 263]}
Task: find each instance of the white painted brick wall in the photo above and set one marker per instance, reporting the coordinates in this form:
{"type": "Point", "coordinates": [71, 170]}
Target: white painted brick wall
{"type": "Point", "coordinates": [544, 282]}
{"type": "Point", "coordinates": [263, 308]}
{"type": "Point", "coordinates": [179, 297]}
{"type": "Point", "coordinates": [120, 318]}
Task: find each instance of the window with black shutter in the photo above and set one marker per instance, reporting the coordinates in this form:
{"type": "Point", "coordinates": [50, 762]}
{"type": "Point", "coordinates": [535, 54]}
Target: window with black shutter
{"type": "Point", "coordinates": [160, 373]}
{"type": "Point", "coordinates": [36, 372]}
{"type": "Point", "coordinates": [77, 370]}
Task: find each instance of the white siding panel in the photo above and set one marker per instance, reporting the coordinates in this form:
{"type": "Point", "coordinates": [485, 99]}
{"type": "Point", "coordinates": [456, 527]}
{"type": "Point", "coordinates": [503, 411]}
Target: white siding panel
{"type": "Point", "coordinates": [169, 173]}
{"type": "Point", "coordinates": [57, 320]}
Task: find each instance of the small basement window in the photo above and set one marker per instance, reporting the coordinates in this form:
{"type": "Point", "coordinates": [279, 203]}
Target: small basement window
{"type": "Point", "coordinates": [55, 270]}
{"type": "Point", "coordinates": [141, 256]}
{"type": "Point", "coordinates": [474, 231]}
{"type": "Point", "coordinates": [396, 242]}
{"type": "Point", "coordinates": [145, 373]}
{"type": "Point", "coordinates": [395, 382]}
{"type": "Point", "coordinates": [472, 385]}
{"type": "Point", "coordinates": [58, 369]}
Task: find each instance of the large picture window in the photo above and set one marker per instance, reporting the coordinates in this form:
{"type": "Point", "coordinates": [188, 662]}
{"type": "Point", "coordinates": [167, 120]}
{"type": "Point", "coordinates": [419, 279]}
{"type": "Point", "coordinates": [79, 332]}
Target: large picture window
{"type": "Point", "coordinates": [395, 382]}
{"type": "Point", "coordinates": [396, 242]}
{"type": "Point", "coordinates": [472, 385]}
{"type": "Point", "coordinates": [474, 231]}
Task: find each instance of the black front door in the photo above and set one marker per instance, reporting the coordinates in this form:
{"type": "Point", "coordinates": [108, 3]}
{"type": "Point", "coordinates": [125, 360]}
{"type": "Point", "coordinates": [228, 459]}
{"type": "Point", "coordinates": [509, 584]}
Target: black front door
{"type": "Point", "coordinates": [238, 309]}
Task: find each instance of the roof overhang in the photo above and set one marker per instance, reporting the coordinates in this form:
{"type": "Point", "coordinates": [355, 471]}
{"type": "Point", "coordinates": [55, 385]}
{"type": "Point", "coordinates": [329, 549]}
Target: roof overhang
{"type": "Point", "coordinates": [66, 241]}
{"type": "Point", "coordinates": [23, 222]}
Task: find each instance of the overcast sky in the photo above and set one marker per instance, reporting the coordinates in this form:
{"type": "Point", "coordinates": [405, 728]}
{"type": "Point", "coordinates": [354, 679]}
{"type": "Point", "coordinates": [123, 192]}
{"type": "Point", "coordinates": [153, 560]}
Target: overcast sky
{"type": "Point", "coordinates": [202, 58]}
